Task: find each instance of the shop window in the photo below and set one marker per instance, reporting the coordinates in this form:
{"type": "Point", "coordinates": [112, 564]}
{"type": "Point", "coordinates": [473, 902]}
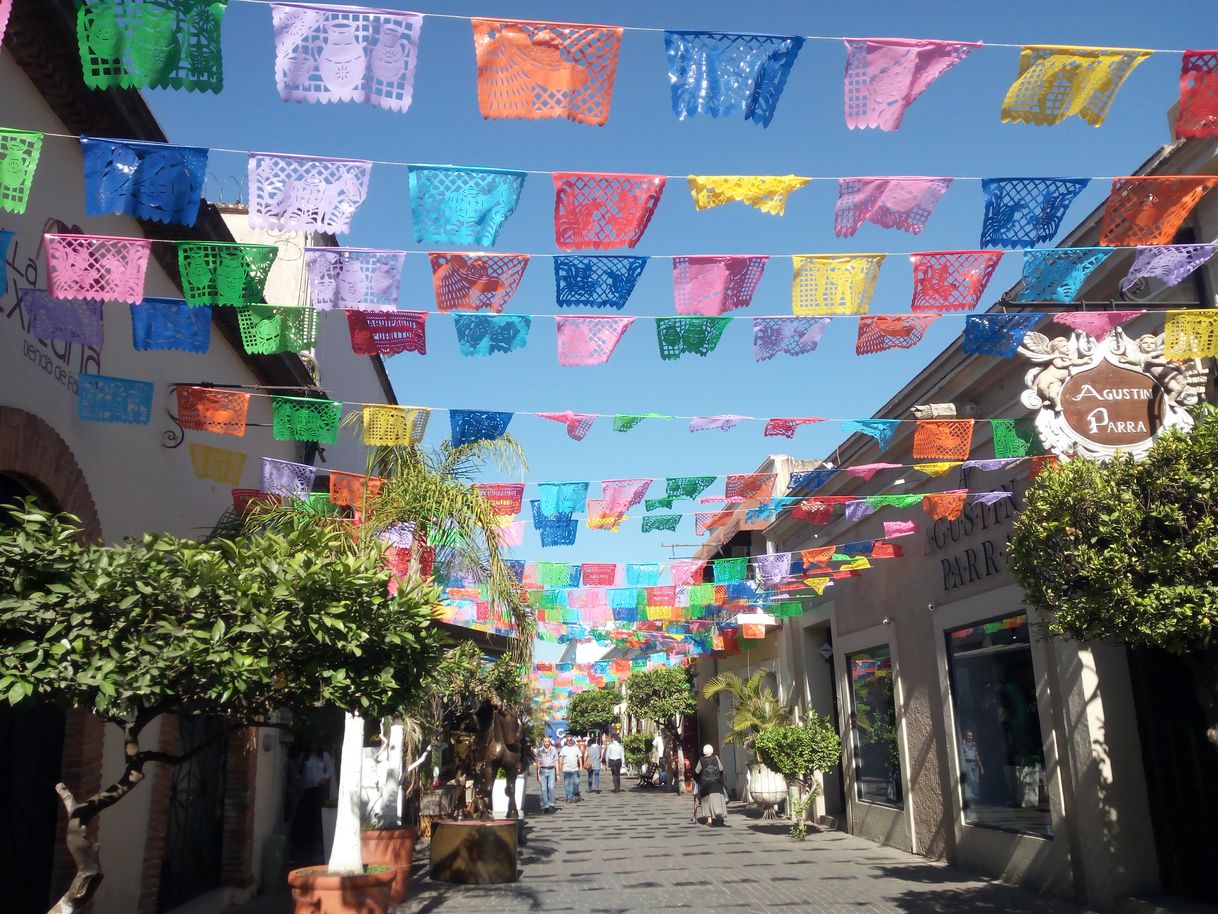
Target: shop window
{"type": "Point", "coordinates": [999, 745]}
{"type": "Point", "coordinates": [873, 727]}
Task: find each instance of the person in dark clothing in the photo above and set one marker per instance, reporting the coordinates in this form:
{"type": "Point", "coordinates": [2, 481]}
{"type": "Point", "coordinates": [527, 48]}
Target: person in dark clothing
{"type": "Point", "coordinates": [712, 797]}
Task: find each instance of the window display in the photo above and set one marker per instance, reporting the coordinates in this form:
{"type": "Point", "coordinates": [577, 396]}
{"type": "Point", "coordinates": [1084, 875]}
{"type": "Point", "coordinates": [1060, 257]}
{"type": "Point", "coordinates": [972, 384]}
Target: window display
{"type": "Point", "coordinates": [873, 727]}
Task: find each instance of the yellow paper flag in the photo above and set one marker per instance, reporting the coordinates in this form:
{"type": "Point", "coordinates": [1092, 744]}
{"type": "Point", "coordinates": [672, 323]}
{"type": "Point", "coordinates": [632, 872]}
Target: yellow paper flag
{"type": "Point", "coordinates": [834, 283]}
{"type": "Point", "coordinates": [936, 469]}
{"type": "Point", "coordinates": [1055, 82]}
{"type": "Point", "coordinates": [1190, 335]}
{"type": "Point", "coordinates": [390, 425]}
{"type": "Point", "coordinates": [767, 193]}
{"type": "Point", "coordinates": [217, 464]}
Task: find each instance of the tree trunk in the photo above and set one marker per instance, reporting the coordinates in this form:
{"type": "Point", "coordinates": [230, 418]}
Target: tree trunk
{"type": "Point", "coordinates": [391, 778]}
{"type": "Point", "coordinates": [345, 856]}
{"type": "Point", "coordinates": [85, 855]}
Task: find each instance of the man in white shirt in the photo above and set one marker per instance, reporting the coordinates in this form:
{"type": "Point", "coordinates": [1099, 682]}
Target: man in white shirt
{"type": "Point", "coordinates": [569, 759]}
{"type": "Point", "coordinates": [614, 754]}
{"type": "Point", "coordinates": [658, 746]}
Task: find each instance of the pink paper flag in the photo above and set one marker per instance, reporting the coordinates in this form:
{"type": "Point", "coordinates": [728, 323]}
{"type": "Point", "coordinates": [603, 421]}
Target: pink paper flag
{"type": "Point", "coordinates": [97, 267]}
{"type": "Point", "coordinates": [578, 424]}
{"type": "Point", "coordinates": [713, 285]}
{"type": "Point", "coordinates": [687, 573]}
{"type": "Point", "coordinates": [895, 528]}
{"type": "Point", "coordinates": [1097, 324]}
{"type": "Point", "coordinates": [885, 75]}
{"type": "Point", "coordinates": [890, 202]}
{"type": "Point", "coordinates": [589, 340]}
{"type": "Point", "coordinates": [620, 495]}
{"type": "Point", "coordinates": [867, 470]}
{"type": "Point", "coordinates": [510, 534]}
{"type": "Point", "coordinates": [723, 423]}
{"type": "Point", "coordinates": [786, 426]}
{"type": "Point", "coordinates": [6, 7]}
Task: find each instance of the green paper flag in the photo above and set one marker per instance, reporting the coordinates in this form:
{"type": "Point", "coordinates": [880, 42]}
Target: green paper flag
{"type": "Point", "coordinates": [224, 273]}
{"type": "Point", "coordinates": [728, 571]}
{"type": "Point", "coordinates": [1015, 437]}
{"type": "Point", "coordinates": [19, 152]}
{"type": "Point", "coordinates": [624, 422]}
{"type": "Point", "coordinates": [134, 44]}
{"type": "Point", "coordinates": [268, 329]}
{"type": "Point", "coordinates": [687, 486]}
{"type": "Point", "coordinates": [661, 522]}
{"type": "Point", "coordinates": [893, 501]}
{"type": "Point", "coordinates": [655, 504]}
{"type": "Point", "coordinates": [306, 419]}
{"type": "Point", "coordinates": [678, 336]}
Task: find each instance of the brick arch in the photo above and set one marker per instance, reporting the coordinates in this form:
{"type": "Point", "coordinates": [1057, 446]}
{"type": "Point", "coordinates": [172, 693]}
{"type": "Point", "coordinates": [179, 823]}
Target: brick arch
{"type": "Point", "coordinates": [33, 452]}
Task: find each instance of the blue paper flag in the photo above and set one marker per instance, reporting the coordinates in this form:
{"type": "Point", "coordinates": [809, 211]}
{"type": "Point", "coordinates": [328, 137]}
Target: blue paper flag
{"type": "Point", "coordinates": [452, 205]}
{"type": "Point", "coordinates": [719, 74]}
{"type": "Point", "coordinates": [486, 334]}
{"type": "Point", "coordinates": [5, 238]}
{"type": "Point", "coordinates": [645, 575]}
{"type": "Point", "coordinates": [105, 399]}
{"type": "Point", "coordinates": [470, 425]}
{"type": "Point", "coordinates": [807, 482]}
{"type": "Point", "coordinates": [596, 282]}
{"type": "Point", "coordinates": [996, 334]}
{"type": "Point", "coordinates": [555, 530]}
{"type": "Point", "coordinates": [170, 323]}
{"type": "Point", "coordinates": [879, 429]}
{"type": "Point", "coordinates": [155, 181]}
{"type": "Point", "coordinates": [1057, 274]}
{"type": "Point", "coordinates": [562, 497]}
{"type": "Point", "coordinates": [1021, 212]}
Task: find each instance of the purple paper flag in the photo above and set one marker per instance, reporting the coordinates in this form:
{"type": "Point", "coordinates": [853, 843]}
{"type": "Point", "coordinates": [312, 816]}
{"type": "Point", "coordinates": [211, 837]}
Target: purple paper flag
{"type": "Point", "coordinates": [723, 423]}
{"type": "Point", "coordinates": [1168, 262]}
{"type": "Point", "coordinates": [790, 335]}
{"type": "Point", "coordinates": [858, 509]}
{"type": "Point", "coordinates": [69, 320]}
{"type": "Point", "coordinates": [305, 193]}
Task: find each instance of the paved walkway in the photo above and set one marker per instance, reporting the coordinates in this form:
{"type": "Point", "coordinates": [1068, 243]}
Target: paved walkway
{"type": "Point", "coordinates": [638, 852]}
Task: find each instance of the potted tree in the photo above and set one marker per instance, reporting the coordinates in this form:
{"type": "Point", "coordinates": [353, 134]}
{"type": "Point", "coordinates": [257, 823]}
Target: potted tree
{"type": "Point", "coordinates": [663, 694]}
{"type": "Point", "coordinates": [237, 627]}
{"type": "Point", "coordinates": [798, 752]}
{"type": "Point", "coordinates": [755, 709]}
{"type": "Point", "coordinates": [636, 747]}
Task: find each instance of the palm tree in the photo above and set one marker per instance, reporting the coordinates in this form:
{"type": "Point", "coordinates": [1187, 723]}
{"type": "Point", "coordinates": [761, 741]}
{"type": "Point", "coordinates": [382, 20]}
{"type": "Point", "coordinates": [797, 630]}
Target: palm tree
{"type": "Point", "coordinates": [755, 706]}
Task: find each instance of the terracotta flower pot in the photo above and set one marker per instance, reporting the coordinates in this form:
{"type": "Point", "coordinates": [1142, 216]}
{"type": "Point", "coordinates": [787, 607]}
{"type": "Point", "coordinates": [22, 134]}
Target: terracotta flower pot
{"type": "Point", "coordinates": [317, 892]}
{"type": "Point", "coordinates": [394, 848]}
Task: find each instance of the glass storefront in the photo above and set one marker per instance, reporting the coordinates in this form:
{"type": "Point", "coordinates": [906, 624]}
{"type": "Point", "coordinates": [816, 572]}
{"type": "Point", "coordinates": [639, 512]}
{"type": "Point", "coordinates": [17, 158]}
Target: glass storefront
{"type": "Point", "coordinates": [873, 727]}
{"type": "Point", "coordinates": [998, 737]}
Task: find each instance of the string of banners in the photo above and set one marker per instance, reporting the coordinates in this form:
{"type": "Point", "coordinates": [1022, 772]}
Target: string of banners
{"type": "Point", "coordinates": [536, 70]}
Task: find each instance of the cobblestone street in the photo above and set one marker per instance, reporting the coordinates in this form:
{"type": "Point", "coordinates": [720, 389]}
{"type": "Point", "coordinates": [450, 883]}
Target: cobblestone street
{"type": "Point", "coordinates": [638, 852]}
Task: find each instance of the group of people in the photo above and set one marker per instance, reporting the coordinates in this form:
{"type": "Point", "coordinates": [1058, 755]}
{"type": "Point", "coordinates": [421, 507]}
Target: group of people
{"type": "Point", "coordinates": [573, 757]}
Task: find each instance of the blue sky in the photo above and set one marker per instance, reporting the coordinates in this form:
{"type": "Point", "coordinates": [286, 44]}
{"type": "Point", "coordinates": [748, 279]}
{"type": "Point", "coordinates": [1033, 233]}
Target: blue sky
{"type": "Point", "coordinates": [952, 130]}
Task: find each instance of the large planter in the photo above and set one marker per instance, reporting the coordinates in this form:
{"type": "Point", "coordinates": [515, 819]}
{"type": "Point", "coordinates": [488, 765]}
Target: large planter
{"type": "Point", "coordinates": [315, 891]}
{"type": "Point", "coordinates": [499, 797]}
{"type": "Point", "coordinates": [329, 822]}
{"type": "Point", "coordinates": [767, 788]}
{"type": "Point", "coordinates": [394, 848]}
{"type": "Point", "coordinates": [474, 852]}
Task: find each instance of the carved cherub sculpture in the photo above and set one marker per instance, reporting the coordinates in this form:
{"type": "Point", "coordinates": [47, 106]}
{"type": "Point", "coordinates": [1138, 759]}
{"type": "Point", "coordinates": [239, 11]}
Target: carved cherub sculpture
{"type": "Point", "coordinates": [1056, 357]}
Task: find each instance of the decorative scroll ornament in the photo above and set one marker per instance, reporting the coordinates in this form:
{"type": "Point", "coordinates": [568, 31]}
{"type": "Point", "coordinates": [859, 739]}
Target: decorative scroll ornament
{"type": "Point", "coordinates": [171, 44]}
{"type": "Point", "coordinates": [951, 280]}
{"type": "Point", "coordinates": [711, 285]}
{"type": "Point", "coordinates": [767, 193]}
{"type": "Point", "coordinates": [472, 282]}
{"type": "Point", "coordinates": [216, 464]}
{"type": "Point", "coordinates": [154, 181]}
{"type": "Point", "coordinates": [224, 273]}
{"type": "Point", "coordinates": [1197, 116]}
{"type": "Point", "coordinates": [1098, 398]}
{"type": "Point", "coordinates": [891, 331]}
{"type": "Point", "coordinates": [537, 70]}
{"type": "Point", "coordinates": [884, 76]}
{"type": "Point", "coordinates": [470, 426]}
{"type": "Point", "coordinates": [589, 340]}
{"type": "Point", "coordinates": [208, 410]}
{"type": "Point", "coordinates": [1170, 263]}
{"type": "Point", "coordinates": [585, 281]}
{"type": "Point", "coordinates": [942, 439]}
{"type": "Point", "coordinates": [996, 334]}
{"type": "Point", "coordinates": [720, 74]}
{"type": "Point", "coordinates": [268, 329]}
{"type": "Point", "coordinates": [345, 54]}
{"type": "Point", "coordinates": [1058, 274]}
{"type": "Point", "coordinates": [896, 203]}
{"type": "Point", "coordinates": [301, 193]}
{"type": "Point", "coordinates": [655, 522]}
{"type": "Point", "coordinates": [106, 399]}
{"type": "Point", "coordinates": [678, 336]}
{"type": "Point", "coordinates": [1055, 82]}
{"type": "Point", "coordinates": [306, 419]}
{"type": "Point", "coordinates": [393, 425]}
{"type": "Point", "coordinates": [69, 320]}
{"type": "Point", "coordinates": [1149, 209]}
{"type": "Point", "coordinates": [786, 427]}
{"type": "Point", "coordinates": [387, 332]}
{"type": "Point", "coordinates": [578, 424]}
{"type": "Point", "coordinates": [834, 283]}
{"type": "Point", "coordinates": [19, 154]}
{"type": "Point", "coordinates": [1097, 324]}
{"type": "Point", "coordinates": [1022, 212]}
{"type": "Point", "coordinates": [451, 205]}
{"type": "Point", "coordinates": [97, 267]}
{"type": "Point", "coordinates": [170, 323]}
{"type": "Point", "coordinates": [487, 334]}
{"type": "Point", "coordinates": [1191, 335]}
{"type": "Point", "coordinates": [790, 335]}
{"type": "Point", "coordinates": [287, 479]}
{"type": "Point", "coordinates": [722, 423]}
{"type": "Point", "coordinates": [361, 278]}
{"type": "Point", "coordinates": [603, 210]}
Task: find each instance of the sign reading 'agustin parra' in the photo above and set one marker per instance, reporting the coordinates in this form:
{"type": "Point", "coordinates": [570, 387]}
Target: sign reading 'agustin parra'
{"type": "Point", "coordinates": [1097, 398]}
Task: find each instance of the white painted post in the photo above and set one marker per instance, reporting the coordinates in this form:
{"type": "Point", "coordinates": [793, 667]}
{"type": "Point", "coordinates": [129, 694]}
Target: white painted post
{"type": "Point", "coordinates": [346, 857]}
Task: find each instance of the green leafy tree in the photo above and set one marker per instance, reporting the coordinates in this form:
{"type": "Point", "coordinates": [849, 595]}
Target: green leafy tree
{"type": "Point", "coordinates": [1127, 550]}
{"type": "Point", "coordinates": [593, 710]}
{"type": "Point", "coordinates": [755, 707]}
{"type": "Point", "coordinates": [664, 694]}
{"type": "Point", "coordinates": [636, 747]}
{"type": "Point", "coordinates": [797, 752]}
{"type": "Point", "coordinates": [239, 628]}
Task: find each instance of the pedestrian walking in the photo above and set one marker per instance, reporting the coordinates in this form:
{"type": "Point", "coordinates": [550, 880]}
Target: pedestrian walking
{"type": "Point", "coordinates": [592, 764]}
{"type": "Point", "coordinates": [614, 754]}
{"type": "Point", "coordinates": [568, 763]}
{"type": "Point", "coordinates": [316, 772]}
{"type": "Point", "coordinates": [712, 799]}
{"type": "Point", "coordinates": [547, 762]}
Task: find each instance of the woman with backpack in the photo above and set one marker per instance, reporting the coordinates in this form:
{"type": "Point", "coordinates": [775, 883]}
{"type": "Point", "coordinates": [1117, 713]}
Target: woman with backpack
{"type": "Point", "coordinates": [712, 796]}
